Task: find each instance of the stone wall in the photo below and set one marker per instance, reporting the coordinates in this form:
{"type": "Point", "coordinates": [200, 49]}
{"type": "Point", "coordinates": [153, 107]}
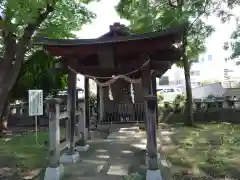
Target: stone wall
{"type": "Point", "coordinates": [218, 116]}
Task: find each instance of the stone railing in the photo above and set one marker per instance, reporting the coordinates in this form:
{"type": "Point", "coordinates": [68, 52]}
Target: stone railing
{"type": "Point", "coordinates": [75, 137]}
{"type": "Point", "coordinates": [18, 115]}
{"type": "Point", "coordinates": [208, 104]}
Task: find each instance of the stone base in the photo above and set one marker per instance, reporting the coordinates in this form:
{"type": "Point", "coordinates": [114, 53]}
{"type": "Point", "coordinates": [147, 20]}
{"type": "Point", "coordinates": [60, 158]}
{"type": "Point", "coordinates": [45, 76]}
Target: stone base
{"type": "Point", "coordinates": [137, 128]}
{"type": "Point", "coordinates": [69, 158]}
{"type": "Point", "coordinates": [82, 148]}
{"type": "Point", "coordinates": [54, 173]}
{"type": "Point", "coordinates": [153, 175]}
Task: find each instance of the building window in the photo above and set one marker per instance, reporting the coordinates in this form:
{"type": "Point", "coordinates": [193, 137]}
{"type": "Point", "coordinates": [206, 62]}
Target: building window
{"type": "Point", "coordinates": [195, 73]}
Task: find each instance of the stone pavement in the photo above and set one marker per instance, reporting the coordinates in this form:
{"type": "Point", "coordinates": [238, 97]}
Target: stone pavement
{"type": "Point", "coordinates": [107, 159]}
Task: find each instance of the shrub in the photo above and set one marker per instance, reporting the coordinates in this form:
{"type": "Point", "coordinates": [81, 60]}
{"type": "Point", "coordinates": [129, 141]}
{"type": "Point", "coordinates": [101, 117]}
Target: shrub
{"type": "Point", "coordinates": [133, 176]}
{"type": "Point", "coordinates": [210, 96]}
{"type": "Point", "coordinates": [159, 98]}
{"type": "Point", "coordinates": [179, 102]}
{"type": "Point", "coordinates": [92, 100]}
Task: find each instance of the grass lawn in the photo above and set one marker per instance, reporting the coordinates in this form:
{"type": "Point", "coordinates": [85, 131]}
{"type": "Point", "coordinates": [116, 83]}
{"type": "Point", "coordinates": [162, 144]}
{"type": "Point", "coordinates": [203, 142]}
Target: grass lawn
{"type": "Point", "coordinates": [208, 152]}
{"type": "Point", "coordinates": [21, 157]}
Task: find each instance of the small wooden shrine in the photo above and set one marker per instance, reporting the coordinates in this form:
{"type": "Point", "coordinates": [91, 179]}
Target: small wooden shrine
{"type": "Point", "coordinates": [114, 58]}
{"type": "Point", "coordinates": [115, 61]}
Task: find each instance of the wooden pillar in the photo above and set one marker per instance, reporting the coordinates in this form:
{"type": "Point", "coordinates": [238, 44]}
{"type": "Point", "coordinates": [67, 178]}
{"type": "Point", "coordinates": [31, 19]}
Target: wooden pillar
{"type": "Point", "coordinates": [154, 89]}
{"type": "Point", "coordinates": [106, 59]}
{"type": "Point", "coordinates": [146, 91]}
{"type": "Point", "coordinates": [146, 85]}
{"type": "Point", "coordinates": [150, 116]}
{"type": "Point", "coordinates": [72, 94]}
{"type": "Point", "coordinates": [68, 123]}
{"type": "Point", "coordinates": [98, 103]}
{"type": "Point", "coordinates": [101, 104]}
{"type": "Point", "coordinates": [86, 92]}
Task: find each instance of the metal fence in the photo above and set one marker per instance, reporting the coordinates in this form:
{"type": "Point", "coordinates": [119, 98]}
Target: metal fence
{"type": "Point", "coordinates": [124, 113]}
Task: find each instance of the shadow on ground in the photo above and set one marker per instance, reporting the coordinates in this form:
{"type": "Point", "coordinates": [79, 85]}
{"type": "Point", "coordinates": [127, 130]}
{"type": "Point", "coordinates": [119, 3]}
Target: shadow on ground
{"type": "Point", "coordinates": [112, 158]}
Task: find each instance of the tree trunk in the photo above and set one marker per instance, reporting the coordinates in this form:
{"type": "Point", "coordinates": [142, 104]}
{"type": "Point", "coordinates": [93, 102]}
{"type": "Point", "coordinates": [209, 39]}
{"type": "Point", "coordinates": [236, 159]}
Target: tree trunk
{"type": "Point", "coordinates": [4, 117]}
{"type": "Point", "coordinates": [189, 104]}
{"type": "Point", "coordinates": [3, 99]}
{"type": "Point", "coordinates": [15, 49]}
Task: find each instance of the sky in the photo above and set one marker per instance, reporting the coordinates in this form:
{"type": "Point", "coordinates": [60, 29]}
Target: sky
{"type": "Point", "coordinates": [106, 16]}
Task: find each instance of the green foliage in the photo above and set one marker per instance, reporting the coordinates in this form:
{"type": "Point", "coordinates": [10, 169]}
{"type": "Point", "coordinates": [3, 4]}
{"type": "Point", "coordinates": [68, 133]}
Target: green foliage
{"type": "Point", "coordinates": [145, 16]}
{"type": "Point", "coordinates": [93, 100]}
{"type": "Point", "coordinates": [180, 97]}
{"type": "Point", "coordinates": [211, 96]}
{"type": "Point", "coordinates": [206, 82]}
{"type": "Point", "coordinates": [37, 73]}
{"type": "Point", "coordinates": [67, 16]}
{"type": "Point", "coordinates": [134, 176]}
{"type": "Point", "coordinates": [234, 42]}
{"type": "Point", "coordinates": [179, 102]}
{"type": "Point", "coordinates": [159, 98]}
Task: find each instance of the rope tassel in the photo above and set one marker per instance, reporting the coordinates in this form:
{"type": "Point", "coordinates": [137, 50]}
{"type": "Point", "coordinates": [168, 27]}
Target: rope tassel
{"type": "Point", "coordinates": [132, 93]}
{"type": "Point", "coordinates": [110, 93]}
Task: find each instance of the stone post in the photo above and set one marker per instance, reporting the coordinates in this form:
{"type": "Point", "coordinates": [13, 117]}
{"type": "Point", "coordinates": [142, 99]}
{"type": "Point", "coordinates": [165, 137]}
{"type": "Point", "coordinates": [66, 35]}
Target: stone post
{"type": "Point", "coordinates": [81, 145]}
{"type": "Point", "coordinates": [71, 156]}
{"type": "Point", "coordinates": [80, 125]}
{"type": "Point", "coordinates": [55, 169]}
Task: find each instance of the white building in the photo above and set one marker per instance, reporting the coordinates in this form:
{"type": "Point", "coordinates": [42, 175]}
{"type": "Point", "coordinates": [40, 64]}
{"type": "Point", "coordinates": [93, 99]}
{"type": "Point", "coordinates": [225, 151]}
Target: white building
{"type": "Point", "coordinates": [207, 69]}
{"type": "Point", "coordinates": [92, 84]}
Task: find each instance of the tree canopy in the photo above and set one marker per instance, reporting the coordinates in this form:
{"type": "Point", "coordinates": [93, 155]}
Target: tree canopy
{"type": "Point", "coordinates": [234, 42]}
{"type": "Point", "coordinates": [236, 33]}
{"type": "Point", "coordinates": [38, 73]}
{"type": "Point", "coordinates": [20, 21]}
{"type": "Point", "coordinates": [64, 16]}
{"type": "Point", "coordinates": [147, 15]}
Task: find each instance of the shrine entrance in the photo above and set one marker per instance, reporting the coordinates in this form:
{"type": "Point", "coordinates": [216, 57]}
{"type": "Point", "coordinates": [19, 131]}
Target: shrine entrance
{"type": "Point", "coordinates": [124, 66]}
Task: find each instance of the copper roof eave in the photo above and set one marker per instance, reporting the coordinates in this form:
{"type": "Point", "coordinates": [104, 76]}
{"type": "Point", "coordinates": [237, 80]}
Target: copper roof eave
{"type": "Point", "coordinates": [103, 73]}
{"type": "Point", "coordinates": [177, 32]}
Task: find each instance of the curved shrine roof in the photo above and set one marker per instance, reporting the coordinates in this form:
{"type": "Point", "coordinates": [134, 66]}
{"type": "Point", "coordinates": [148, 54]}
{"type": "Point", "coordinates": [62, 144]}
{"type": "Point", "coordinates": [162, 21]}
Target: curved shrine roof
{"type": "Point", "coordinates": [172, 33]}
{"type": "Point", "coordinates": [125, 51]}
